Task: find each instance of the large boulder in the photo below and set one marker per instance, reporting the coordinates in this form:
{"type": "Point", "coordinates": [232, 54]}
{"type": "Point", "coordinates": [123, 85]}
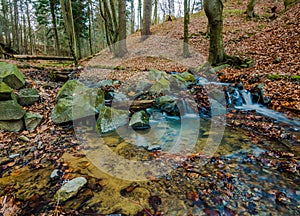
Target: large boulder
{"type": "Point", "coordinates": [110, 119]}
{"type": "Point", "coordinates": [156, 75]}
{"type": "Point", "coordinates": [28, 96]}
{"type": "Point", "coordinates": [161, 86]}
{"type": "Point", "coordinates": [184, 79]}
{"type": "Point", "coordinates": [11, 75]}
{"type": "Point", "coordinates": [139, 121]}
{"type": "Point", "coordinates": [168, 105]}
{"type": "Point", "coordinates": [12, 126]}
{"type": "Point", "coordinates": [11, 110]}
{"type": "Point", "coordinates": [71, 88]}
{"type": "Point", "coordinates": [32, 120]}
{"type": "Point", "coordinates": [5, 92]}
{"type": "Point", "coordinates": [70, 189]}
{"type": "Point", "coordinates": [85, 104]}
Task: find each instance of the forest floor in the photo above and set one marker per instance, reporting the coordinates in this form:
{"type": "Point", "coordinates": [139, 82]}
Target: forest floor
{"type": "Point", "coordinates": [274, 46]}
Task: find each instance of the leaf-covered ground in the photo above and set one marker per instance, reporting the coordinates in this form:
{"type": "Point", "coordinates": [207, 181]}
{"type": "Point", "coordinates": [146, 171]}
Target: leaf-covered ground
{"type": "Point", "coordinates": [25, 166]}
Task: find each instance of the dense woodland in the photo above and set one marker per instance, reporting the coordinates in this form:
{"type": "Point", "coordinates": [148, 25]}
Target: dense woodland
{"type": "Point", "coordinates": [149, 107]}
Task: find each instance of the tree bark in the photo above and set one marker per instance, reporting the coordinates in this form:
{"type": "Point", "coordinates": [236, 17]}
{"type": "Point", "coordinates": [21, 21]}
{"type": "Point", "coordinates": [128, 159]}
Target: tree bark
{"type": "Point", "coordinates": [250, 9]}
{"type": "Point", "coordinates": [146, 19]}
{"type": "Point", "coordinates": [214, 10]}
{"type": "Point", "coordinates": [155, 15]}
{"type": "Point", "coordinates": [66, 7]}
{"type": "Point", "coordinates": [186, 52]}
{"type": "Point", "coordinates": [122, 50]}
{"type": "Point", "coordinates": [132, 16]}
{"type": "Point", "coordinates": [53, 16]}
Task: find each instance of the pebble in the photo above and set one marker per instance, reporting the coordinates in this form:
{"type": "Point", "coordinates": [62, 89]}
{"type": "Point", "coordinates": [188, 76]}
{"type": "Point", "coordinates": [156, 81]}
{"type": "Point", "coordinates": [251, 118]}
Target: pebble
{"type": "Point", "coordinates": [54, 174]}
{"type": "Point", "coordinates": [14, 156]}
{"type": "Point", "coordinates": [24, 138]}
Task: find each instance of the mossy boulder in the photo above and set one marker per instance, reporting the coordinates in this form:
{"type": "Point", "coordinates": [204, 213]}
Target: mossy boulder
{"type": "Point", "coordinates": [5, 92]}
{"type": "Point", "coordinates": [185, 79]}
{"type": "Point", "coordinates": [32, 120]}
{"type": "Point", "coordinates": [161, 86]}
{"type": "Point", "coordinates": [71, 108]}
{"type": "Point", "coordinates": [110, 119]}
{"type": "Point", "coordinates": [11, 110]}
{"type": "Point", "coordinates": [12, 126]}
{"type": "Point", "coordinates": [11, 75]}
{"type": "Point", "coordinates": [139, 121]}
{"type": "Point", "coordinates": [70, 89]}
{"type": "Point", "coordinates": [28, 96]}
{"type": "Point", "coordinates": [156, 74]}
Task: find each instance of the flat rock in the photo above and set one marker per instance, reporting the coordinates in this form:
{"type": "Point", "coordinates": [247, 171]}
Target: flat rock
{"type": "Point", "coordinates": [12, 126]}
{"type": "Point", "coordinates": [11, 110]}
{"type": "Point", "coordinates": [28, 96]}
{"type": "Point", "coordinates": [70, 189]}
{"type": "Point", "coordinates": [139, 121]}
{"type": "Point", "coordinates": [32, 120]}
{"type": "Point", "coordinates": [11, 75]}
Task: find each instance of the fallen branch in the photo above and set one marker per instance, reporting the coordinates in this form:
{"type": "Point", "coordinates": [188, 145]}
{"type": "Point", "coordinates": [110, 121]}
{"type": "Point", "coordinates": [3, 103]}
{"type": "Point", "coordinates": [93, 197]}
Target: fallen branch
{"type": "Point", "coordinates": [38, 57]}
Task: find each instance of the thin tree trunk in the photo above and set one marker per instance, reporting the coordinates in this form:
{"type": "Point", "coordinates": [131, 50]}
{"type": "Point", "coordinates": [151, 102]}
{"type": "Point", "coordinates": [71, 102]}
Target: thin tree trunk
{"type": "Point", "coordinates": [122, 49]}
{"type": "Point", "coordinates": [90, 27]}
{"type": "Point", "coordinates": [29, 27]}
{"type": "Point", "coordinates": [53, 16]}
{"type": "Point", "coordinates": [186, 52]}
{"type": "Point", "coordinates": [140, 14]}
{"type": "Point", "coordinates": [16, 26]}
{"type": "Point", "coordinates": [146, 19]}
{"type": "Point", "coordinates": [214, 10]}
{"type": "Point", "coordinates": [132, 16]}
{"type": "Point", "coordinates": [66, 7]}
{"type": "Point", "coordinates": [250, 9]}
{"type": "Point", "coordinates": [155, 15]}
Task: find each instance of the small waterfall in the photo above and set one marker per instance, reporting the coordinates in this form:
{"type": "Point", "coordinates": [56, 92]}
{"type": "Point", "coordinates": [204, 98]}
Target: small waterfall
{"type": "Point", "coordinates": [247, 98]}
{"type": "Point", "coordinates": [186, 110]}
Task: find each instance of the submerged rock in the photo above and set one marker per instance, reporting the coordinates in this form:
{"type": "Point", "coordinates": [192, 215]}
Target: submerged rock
{"type": "Point", "coordinates": [12, 126]}
{"type": "Point", "coordinates": [28, 96]}
{"type": "Point", "coordinates": [5, 92]}
{"type": "Point", "coordinates": [32, 120]}
{"type": "Point", "coordinates": [11, 75]}
{"type": "Point", "coordinates": [139, 121]}
{"type": "Point", "coordinates": [69, 189]}
{"type": "Point", "coordinates": [11, 110]}
{"type": "Point", "coordinates": [110, 119]}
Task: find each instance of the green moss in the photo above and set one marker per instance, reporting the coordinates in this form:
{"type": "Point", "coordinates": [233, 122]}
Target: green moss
{"type": "Point", "coordinates": [273, 77]}
{"type": "Point", "coordinates": [295, 78]}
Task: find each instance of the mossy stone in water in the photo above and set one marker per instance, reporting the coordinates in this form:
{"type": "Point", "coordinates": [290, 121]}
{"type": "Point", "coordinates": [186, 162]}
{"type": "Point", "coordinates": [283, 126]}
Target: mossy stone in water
{"type": "Point", "coordinates": [70, 189]}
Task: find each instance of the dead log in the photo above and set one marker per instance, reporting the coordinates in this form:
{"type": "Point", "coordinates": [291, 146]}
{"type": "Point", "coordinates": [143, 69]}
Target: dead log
{"type": "Point", "coordinates": [134, 105]}
{"type": "Point", "coordinates": [39, 57]}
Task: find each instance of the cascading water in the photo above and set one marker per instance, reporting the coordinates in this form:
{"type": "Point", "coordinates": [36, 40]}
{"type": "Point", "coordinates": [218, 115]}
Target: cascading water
{"type": "Point", "coordinates": [240, 98]}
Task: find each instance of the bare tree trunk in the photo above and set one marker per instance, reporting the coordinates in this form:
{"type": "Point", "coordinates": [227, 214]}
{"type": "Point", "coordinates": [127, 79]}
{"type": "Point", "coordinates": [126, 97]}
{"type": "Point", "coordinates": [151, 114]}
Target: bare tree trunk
{"type": "Point", "coordinates": [214, 10]}
{"type": "Point", "coordinates": [29, 27]}
{"type": "Point", "coordinates": [53, 16]}
{"type": "Point", "coordinates": [186, 52]}
{"type": "Point", "coordinates": [250, 9]}
{"type": "Point", "coordinates": [132, 16]}
{"type": "Point", "coordinates": [90, 15]}
{"type": "Point", "coordinates": [155, 16]}
{"type": "Point", "coordinates": [66, 7]}
{"type": "Point", "coordinates": [16, 26]}
{"type": "Point", "coordinates": [122, 50]}
{"type": "Point", "coordinates": [140, 14]}
{"type": "Point", "coordinates": [146, 19]}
